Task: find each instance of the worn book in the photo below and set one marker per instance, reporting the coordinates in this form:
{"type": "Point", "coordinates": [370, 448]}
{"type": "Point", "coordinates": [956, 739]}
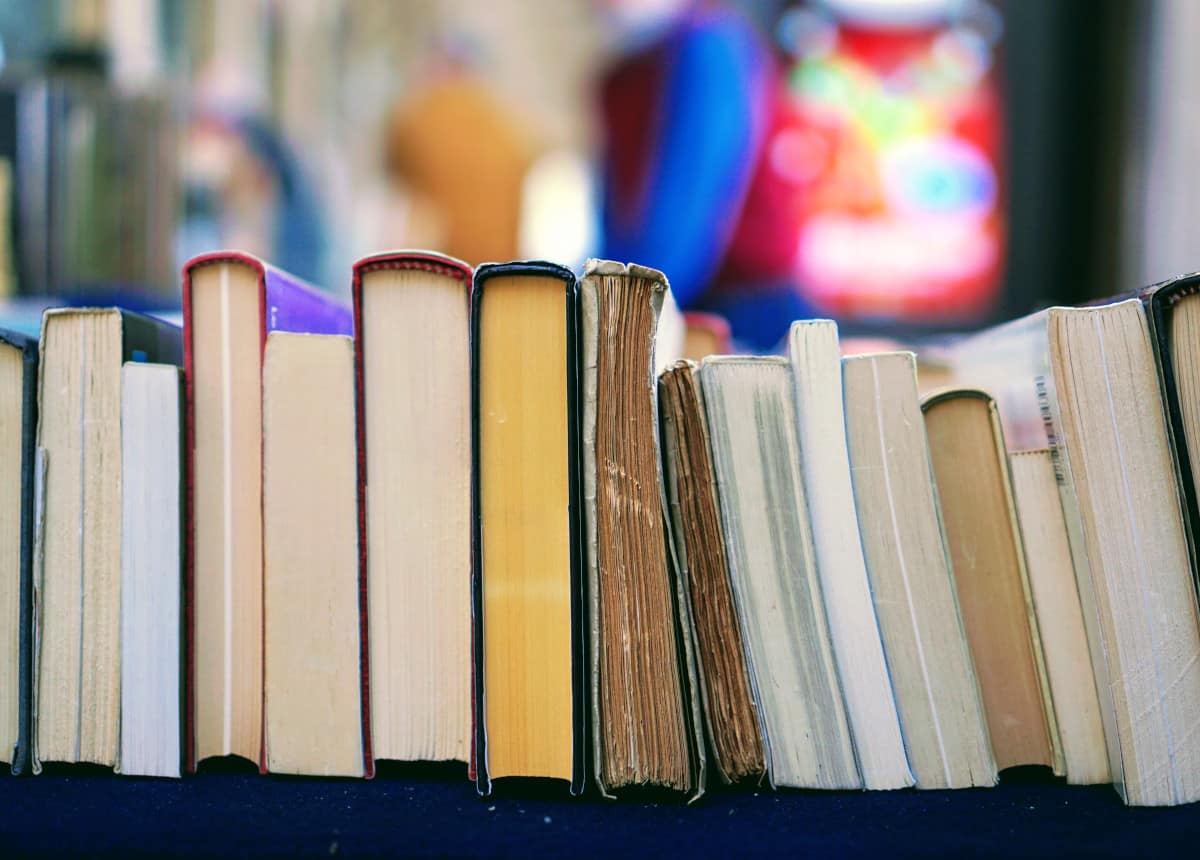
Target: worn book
{"type": "Point", "coordinates": [1060, 620]}
{"type": "Point", "coordinates": [987, 557]}
{"type": "Point", "coordinates": [151, 569]}
{"type": "Point", "coordinates": [730, 715]}
{"type": "Point", "coordinates": [829, 488]}
{"type": "Point", "coordinates": [313, 668]}
{"type": "Point", "coordinates": [937, 694]}
{"type": "Point", "coordinates": [78, 637]}
{"type": "Point", "coordinates": [527, 584]}
{"type": "Point", "coordinates": [413, 363]}
{"type": "Point", "coordinates": [231, 301]}
{"type": "Point", "coordinates": [751, 411]}
{"type": "Point", "coordinates": [18, 429]}
{"type": "Point", "coordinates": [644, 713]}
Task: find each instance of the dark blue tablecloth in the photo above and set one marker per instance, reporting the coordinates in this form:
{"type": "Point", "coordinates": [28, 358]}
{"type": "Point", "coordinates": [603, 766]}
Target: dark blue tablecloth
{"type": "Point", "coordinates": [427, 811]}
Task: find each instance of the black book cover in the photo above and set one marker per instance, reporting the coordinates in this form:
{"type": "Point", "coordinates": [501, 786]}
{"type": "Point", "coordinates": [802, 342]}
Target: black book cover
{"type": "Point", "coordinates": [29, 353]}
{"type": "Point", "coordinates": [483, 782]}
{"type": "Point", "coordinates": [1160, 300]}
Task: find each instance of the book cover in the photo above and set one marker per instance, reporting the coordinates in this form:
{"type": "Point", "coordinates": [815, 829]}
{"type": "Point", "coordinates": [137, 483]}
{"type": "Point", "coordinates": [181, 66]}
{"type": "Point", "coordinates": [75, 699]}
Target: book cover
{"type": "Point", "coordinates": [535, 269]}
{"type": "Point", "coordinates": [29, 355]}
{"type": "Point", "coordinates": [286, 303]}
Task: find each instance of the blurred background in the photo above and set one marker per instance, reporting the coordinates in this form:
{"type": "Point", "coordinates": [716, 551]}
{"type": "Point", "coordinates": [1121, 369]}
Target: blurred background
{"type": "Point", "coordinates": [905, 166]}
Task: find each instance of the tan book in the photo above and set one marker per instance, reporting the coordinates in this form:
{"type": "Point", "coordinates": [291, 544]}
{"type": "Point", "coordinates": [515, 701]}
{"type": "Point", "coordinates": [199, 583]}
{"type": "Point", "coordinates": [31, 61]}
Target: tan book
{"type": "Point", "coordinates": [751, 411]}
{"type": "Point", "coordinates": [1113, 425]}
{"type": "Point", "coordinates": [642, 709]}
{"type": "Point", "coordinates": [731, 717]}
{"type": "Point", "coordinates": [853, 627]}
{"type": "Point", "coordinates": [937, 695]}
{"type": "Point", "coordinates": [1060, 618]}
{"type": "Point", "coordinates": [311, 612]}
{"type": "Point", "coordinates": [415, 365]}
{"type": "Point", "coordinates": [970, 466]}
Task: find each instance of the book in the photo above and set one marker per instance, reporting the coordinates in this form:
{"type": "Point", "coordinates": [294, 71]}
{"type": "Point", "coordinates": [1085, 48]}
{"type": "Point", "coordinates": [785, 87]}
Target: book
{"type": "Point", "coordinates": [527, 582]}
{"type": "Point", "coordinates": [78, 689]}
{"type": "Point", "coordinates": [841, 566]}
{"type": "Point", "coordinates": [730, 716]}
{"type": "Point", "coordinates": [750, 406]}
{"type": "Point", "coordinates": [937, 694]}
{"type": "Point", "coordinates": [313, 666]}
{"type": "Point", "coordinates": [987, 558]}
{"type": "Point", "coordinates": [151, 570]}
{"type": "Point", "coordinates": [18, 426]}
{"type": "Point", "coordinates": [644, 715]}
{"type": "Point", "coordinates": [1060, 619]}
{"type": "Point", "coordinates": [413, 360]}
{"type": "Point", "coordinates": [230, 303]}
{"type": "Point", "coordinates": [1114, 427]}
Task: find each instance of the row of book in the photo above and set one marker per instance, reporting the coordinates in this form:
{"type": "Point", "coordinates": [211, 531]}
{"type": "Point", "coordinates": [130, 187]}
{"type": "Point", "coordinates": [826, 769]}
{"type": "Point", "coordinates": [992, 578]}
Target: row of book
{"type": "Point", "coordinates": [485, 516]}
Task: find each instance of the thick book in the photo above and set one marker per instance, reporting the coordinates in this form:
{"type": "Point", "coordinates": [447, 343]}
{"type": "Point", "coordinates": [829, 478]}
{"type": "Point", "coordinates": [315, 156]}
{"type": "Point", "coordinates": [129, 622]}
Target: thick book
{"type": "Point", "coordinates": [645, 714]}
{"type": "Point", "coordinates": [77, 684]}
{"type": "Point", "coordinates": [828, 485]}
{"type": "Point", "coordinates": [987, 556]}
{"type": "Point", "coordinates": [527, 578]}
{"type": "Point", "coordinates": [1114, 428]}
{"type": "Point", "coordinates": [751, 411]}
{"type": "Point", "coordinates": [731, 722]}
{"type": "Point", "coordinates": [151, 569]}
{"type": "Point", "coordinates": [18, 428]}
{"type": "Point", "coordinates": [413, 369]}
{"type": "Point", "coordinates": [937, 694]}
{"type": "Point", "coordinates": [231, 301]}
{"type": "Point", "coordinates": [313, 666]}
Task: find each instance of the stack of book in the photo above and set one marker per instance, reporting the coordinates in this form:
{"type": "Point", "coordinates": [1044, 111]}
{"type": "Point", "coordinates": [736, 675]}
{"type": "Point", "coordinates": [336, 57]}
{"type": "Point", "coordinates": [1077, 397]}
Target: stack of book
{"type": "Point", "coordinates": [484, 516]}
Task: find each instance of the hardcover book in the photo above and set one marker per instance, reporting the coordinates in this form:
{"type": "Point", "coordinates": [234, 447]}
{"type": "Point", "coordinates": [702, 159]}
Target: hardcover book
{"type": "Point", "coordinates": [231, 301]}
{"type": "Point", "coordinates": [730, 714]}
{"type": "Point", "coordinates": [645, 715]}
{"type": "Point", "coordinates": [527, 585]}
{"type": "Point", "coordinates": [78, 666]}
{"type": "Point", "coordinates": [413, 367]}
{"type": "Point", "coordinates": [18, 426]}
{"type": "Point", "coordinates": [970, 467]}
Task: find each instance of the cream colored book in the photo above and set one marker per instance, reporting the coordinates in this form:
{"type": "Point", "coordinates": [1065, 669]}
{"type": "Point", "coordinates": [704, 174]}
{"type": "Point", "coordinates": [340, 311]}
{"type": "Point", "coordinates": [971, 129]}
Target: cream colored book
{"type": "Point", "coordinates": [853, 627]}
{"type": "Point", "coordinates": [151, 516]}
{"type": "Point", "coordinates": [751, 411]}
{"type": "Point", "coordinates": [313, 665]}
{"type": "Point", "coordinates": [416, 425]}
{"type": "Point", "coordinates": [1060, 619]}
{"type": "Point", "coordinates": [937, 694]}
